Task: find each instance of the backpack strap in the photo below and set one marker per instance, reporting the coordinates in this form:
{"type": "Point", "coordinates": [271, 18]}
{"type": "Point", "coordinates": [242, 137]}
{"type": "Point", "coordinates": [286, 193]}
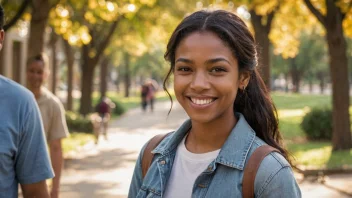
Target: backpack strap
{"type": "Point", "coordinates": [251, 169]}
{"type": "Point", "coordinates": [147, 157]}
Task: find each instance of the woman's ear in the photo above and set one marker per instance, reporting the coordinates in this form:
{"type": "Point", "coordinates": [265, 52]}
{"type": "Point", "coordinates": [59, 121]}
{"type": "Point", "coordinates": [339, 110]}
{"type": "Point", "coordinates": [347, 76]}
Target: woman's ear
{"type": "Point", "coordinates": [244, 79]}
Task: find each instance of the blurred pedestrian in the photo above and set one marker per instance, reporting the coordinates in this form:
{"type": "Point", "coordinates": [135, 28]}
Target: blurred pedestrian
{"type": "Point", "coordinates": [24, 157]}
{"type": "Point", "coordinates": [52, 112]}
{"type": "Point", "coordinates": [152, 87]}
{"type": "Point", "coordinates": [103, 109]}
{"type": "Point", "coordinates": [144, 93]}
{"type": "Point", "coordinates": [214, 62]}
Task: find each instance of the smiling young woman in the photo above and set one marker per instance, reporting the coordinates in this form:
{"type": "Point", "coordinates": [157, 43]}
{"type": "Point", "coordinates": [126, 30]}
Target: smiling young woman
{"type": "Point", "coordinates": [214, 62]}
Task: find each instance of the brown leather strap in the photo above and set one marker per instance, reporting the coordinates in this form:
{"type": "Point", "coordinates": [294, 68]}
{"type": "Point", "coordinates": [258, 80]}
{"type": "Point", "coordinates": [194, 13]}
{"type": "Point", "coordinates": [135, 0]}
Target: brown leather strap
{"type": "Point", "coordinates": [147, 157]}
{"type": "Point", "coordinates": [251, 169]}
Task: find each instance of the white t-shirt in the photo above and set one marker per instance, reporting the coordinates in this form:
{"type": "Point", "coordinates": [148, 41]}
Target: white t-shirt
{"type": "Point", "coordinates": [185, 170]}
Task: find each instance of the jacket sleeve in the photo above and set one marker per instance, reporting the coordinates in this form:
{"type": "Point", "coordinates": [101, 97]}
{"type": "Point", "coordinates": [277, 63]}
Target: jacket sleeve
{"type": "Point", "coordinates": [137, 179]}
{"type": "Point", "coordinates": [282, 184]}
{"type": "Point", "coordinates": [275, 178]}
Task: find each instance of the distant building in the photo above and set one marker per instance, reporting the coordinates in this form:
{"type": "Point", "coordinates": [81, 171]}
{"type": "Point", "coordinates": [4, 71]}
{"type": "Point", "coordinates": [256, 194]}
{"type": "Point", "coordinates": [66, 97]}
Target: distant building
{"type": "Point", "coordinates": [13, 55]}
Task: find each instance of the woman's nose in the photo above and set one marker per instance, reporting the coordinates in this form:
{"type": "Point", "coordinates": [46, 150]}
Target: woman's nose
{"type": "Point", "coordinates": [200, 81]}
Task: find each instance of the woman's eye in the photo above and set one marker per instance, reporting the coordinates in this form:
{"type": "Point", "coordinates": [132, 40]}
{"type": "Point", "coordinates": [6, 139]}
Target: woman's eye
{"type": "Point", "coordinates": [217, 70]}
{"type": "Point", "coordinates": [183, 69]}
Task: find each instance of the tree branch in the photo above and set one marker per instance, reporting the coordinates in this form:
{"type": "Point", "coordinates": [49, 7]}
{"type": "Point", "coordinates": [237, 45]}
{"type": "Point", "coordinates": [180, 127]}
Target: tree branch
{"type": "Point", "coordinates": [106, 41]}
{"type": "Point", "coordinates": [18, 15]}
{"type": "Point", "coordinates": [316, 12]}
{"type": "Point", "coordinates": [255, 18]}
{"type": "Point", "coordinates": [269, 20]}
{"type": "Point", "coordinates": [271, 17]}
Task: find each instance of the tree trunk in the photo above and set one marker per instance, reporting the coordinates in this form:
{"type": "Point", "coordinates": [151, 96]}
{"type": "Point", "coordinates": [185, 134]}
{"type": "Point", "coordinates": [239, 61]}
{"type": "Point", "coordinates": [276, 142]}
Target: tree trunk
{"type": "Point", "coordinates": [310, 86]}
{"type": "Point", "coordinates": [53, 45]}
{"type": "Point", "coordinates": [86, 89]}
{"type": "Point", "coordinates": [70, 61]}
{"type": "Point", "coordinates": [87, 68]}
{"type": "Point", "coordinates": [127, 75]}
{"type": "Point", "coordinates": [54, 70]}
{"type": "Point", "coordinates": [295, 75]}
{"type": "Point", "coordinates": [286, 83]}
{"type": "Point", "coordinates": [103, 76]}
{"type": "Point", "coordinates": [40, 14]}
{"type": "Point", "coordinates": [341, 137]}
{"type": "Point", "coordinates": [322, 86]}
{"type": "Point", "coordinates": [340, 89]}
{"type": "Point", "coordinates": [87, 78]}
{"type": "Point", "coordinates": [118, 79]}
{"type": "Point", "coordinates": [320, 77]}
{"type": "Point", "coordinates": [262, 38]}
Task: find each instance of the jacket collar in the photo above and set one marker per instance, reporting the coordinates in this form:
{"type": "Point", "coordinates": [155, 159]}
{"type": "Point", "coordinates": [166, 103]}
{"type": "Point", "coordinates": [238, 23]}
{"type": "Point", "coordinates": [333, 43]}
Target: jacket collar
{"type": "Point", "coordinates": [234, 151]}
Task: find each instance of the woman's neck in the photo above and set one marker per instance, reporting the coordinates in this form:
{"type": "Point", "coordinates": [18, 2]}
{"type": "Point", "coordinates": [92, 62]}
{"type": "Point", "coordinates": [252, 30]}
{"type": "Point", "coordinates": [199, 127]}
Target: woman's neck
{"type": "Point", "coordinates": [206, 137]}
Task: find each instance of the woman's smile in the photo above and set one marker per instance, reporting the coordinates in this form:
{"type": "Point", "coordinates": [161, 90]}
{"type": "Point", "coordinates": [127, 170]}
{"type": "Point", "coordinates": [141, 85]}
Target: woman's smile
{"type": "Point", "coordinates": [201, 102]}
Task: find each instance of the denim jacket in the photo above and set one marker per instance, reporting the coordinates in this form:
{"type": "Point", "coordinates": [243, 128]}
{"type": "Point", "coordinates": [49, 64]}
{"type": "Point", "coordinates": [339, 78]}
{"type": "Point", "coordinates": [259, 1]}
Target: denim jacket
{"type": "Point", "coordinates": [223, 177]}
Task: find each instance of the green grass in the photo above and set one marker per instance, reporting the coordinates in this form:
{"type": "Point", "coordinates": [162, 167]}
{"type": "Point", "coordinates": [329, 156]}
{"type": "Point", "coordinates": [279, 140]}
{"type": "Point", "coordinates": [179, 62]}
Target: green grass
{"type": "Point", "coordinates": [75, 141]}
{"type": "Point", "coordinates": [291, 109]}
{"type": "Point", "coordinates": [320, 155]}
{"type": "Point", "coordinates": [290, 128]}
{"type": "Point", "coordinates": [297, 101]}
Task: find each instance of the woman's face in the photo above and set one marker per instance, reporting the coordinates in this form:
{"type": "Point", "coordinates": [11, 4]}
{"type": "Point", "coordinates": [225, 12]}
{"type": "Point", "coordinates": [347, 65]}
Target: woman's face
{"type": "Point", "coordinates": [206, 77]}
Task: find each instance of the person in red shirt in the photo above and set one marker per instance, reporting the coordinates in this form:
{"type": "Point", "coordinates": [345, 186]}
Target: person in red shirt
{"type": "Point", "coordinates": [103, 108]}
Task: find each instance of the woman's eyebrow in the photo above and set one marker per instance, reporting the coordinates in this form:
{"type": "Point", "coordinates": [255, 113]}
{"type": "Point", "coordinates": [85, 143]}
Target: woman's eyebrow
{"type": "Point", "coordinates": [185, 60]}
{"type": "Point", "coordinates": [217, 60]}
{"type": "Point", "coordinates": [207, 62]}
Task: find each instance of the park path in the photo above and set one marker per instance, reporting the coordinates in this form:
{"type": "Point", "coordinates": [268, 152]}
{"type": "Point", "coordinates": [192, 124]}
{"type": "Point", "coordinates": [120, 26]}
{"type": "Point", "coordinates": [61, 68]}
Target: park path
{"type": "Point", "coordinates": [105, 170]}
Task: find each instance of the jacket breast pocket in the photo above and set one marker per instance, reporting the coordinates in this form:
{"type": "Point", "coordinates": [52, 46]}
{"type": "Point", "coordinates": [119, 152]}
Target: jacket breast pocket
{"type": "Point", "coordinates": [147, 193]}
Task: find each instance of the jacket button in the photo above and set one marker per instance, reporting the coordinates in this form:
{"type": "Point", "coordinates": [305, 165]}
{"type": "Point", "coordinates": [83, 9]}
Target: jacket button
{"type": "Point", "coordinates": [162, 162]}
{"type": "Point", "coordinates": [210, 168]}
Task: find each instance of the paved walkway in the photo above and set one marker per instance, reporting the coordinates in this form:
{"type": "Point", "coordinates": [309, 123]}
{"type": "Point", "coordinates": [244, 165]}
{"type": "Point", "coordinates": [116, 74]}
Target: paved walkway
{"type": "Point", "coordinates": [105, 170]}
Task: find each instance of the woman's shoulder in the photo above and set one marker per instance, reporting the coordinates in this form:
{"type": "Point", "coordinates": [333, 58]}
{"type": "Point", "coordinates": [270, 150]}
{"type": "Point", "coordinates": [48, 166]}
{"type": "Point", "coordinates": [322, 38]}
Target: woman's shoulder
{"type": "Point", "coordinates": [273, 158]}
{"type": "Point", "coordinates": [273, 171]}
{"type": "Point", "coordinates": [271, 163]}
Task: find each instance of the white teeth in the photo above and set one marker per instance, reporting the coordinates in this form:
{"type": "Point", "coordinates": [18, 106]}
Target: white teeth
{"type": "Point", "coordinates": [201, 101]}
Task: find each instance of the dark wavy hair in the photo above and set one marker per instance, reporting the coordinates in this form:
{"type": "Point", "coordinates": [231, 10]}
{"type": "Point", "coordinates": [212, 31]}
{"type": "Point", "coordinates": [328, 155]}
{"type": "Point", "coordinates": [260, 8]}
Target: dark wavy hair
{"type": "Point", "coordinates": [2, 17]}
{"type": "Point", "coordinates": [254, 102]}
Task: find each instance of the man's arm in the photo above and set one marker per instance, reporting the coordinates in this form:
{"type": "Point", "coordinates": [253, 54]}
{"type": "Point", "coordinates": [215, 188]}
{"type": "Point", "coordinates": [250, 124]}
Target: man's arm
{"type": "Point", "coordinates": [57, 131]}
{"type": "Point", "coordinates": [57, 162]}
{"type": "Point", "coordinates": [35, 190]}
